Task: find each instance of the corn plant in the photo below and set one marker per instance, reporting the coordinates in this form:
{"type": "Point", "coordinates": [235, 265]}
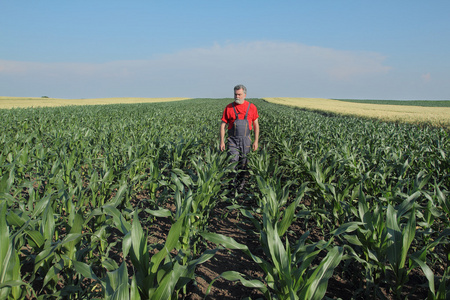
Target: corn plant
{"type": "Point", "coordinates": [11, 284]}
{"type": "Point", "coordinates": [399, 243]}
{"type": "Point", "coordinates": [419, 259]}
{"type": "Point", "coordinates": [275, 203]}
{"type": "Point", "coordinates": [264, 165]}
{"type": "Point", "coordinates": [154, 279]}
{"type": "Point", "coordinates": [382, 241]}
{"type": "Point", "coordinates": [71, 179]}
{"type": "Point", "coordinates": [288, 272]}
{"type": "Point", "coordinates": [195, 197]}
{"type": "Point", "coordinates": [155, 179]}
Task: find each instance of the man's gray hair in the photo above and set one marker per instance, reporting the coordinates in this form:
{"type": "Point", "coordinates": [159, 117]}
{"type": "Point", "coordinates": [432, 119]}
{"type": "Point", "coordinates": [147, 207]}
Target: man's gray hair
{"type": "Point", "coordinates": [241, 87]}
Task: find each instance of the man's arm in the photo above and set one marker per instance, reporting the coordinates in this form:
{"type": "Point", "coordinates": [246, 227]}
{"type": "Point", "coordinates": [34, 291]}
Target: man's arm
{"type": "Point", "coordinates": [222, 135]}
{"type": "Point", "coordinates": [255, 143]}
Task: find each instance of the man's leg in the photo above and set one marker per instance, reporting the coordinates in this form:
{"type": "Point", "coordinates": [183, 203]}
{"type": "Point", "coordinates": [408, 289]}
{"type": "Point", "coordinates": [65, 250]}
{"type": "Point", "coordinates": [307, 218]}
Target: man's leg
{"type": "Point", "coordinates": [234, 153]}
{"type": "Point", "coordinates": [246, 144]}
{"type": "Point", "coordinates": [233, 149]}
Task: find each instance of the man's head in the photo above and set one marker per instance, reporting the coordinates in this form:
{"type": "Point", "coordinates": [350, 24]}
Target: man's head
{"type": "Point", "coordinates": [240, 92]}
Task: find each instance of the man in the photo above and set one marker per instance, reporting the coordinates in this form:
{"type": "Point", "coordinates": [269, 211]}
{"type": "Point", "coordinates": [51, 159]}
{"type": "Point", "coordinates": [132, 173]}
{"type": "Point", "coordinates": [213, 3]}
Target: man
{"type": "Point", "coordinates": [239, 117]}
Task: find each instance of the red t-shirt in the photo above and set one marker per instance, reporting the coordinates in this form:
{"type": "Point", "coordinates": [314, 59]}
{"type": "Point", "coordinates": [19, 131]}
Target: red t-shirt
{"type": "Point", "coordinates": [229, 116]}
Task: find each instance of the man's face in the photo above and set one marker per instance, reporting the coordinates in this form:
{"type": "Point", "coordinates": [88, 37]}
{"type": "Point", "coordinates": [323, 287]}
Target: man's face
{"type": "Point", "coordinates": [239, 96]}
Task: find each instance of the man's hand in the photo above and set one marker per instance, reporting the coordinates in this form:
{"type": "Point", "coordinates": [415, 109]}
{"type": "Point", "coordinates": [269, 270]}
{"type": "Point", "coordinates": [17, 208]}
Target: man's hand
{"type": "Point", "coordinates": [255, 145]}
{"type": "Point", "coordinates": [222, 136]}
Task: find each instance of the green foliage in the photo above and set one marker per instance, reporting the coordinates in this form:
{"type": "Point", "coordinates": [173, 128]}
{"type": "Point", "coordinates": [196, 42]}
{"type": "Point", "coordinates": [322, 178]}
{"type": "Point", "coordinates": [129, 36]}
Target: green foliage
{"type": "Point", "coordinates": [80, 188]}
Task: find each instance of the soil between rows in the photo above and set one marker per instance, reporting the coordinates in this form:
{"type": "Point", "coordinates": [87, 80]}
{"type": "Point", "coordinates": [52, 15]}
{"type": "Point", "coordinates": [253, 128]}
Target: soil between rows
{"type": "Point", "coordinates": [231, 223]}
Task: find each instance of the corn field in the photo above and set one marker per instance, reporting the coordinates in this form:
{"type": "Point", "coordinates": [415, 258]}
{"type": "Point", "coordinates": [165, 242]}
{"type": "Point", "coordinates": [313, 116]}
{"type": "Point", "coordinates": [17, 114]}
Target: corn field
{"type": "Point", "coordinates": [81, 187]}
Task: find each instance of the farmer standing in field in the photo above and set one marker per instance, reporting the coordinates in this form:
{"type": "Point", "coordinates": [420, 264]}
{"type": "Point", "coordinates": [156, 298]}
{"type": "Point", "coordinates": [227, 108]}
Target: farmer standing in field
{"type": "Point", "coordinates": [239, 117]}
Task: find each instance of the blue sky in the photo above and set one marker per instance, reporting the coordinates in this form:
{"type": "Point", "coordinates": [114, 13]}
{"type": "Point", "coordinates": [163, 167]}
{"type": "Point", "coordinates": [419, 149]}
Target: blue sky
{"type": "Point", "coordinates": [331, 49]}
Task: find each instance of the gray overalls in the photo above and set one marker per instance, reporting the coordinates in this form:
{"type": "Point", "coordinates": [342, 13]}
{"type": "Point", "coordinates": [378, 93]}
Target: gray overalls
{"type": "Point", "coordinates": [239, 141]}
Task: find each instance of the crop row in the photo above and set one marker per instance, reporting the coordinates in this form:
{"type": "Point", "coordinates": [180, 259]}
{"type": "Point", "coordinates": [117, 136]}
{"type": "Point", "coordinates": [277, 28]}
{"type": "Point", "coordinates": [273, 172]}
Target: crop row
{"type": "Point", "coordinates": [81, 186]}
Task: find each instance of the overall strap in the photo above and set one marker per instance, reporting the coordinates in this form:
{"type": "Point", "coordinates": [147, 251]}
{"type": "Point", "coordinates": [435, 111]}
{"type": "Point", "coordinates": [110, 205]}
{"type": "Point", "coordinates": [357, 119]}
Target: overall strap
{"type": "Point", "coordinates": [235, 112]}
{"type": "Point", "coordinates": [246, 113]}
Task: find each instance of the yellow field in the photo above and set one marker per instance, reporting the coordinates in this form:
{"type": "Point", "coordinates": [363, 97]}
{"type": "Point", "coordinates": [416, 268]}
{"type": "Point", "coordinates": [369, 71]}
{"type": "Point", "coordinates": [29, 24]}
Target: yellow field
{"type": "Point", "coordinates": [22, 102]}
{"type": "Point", "coordinates": [439, 116]}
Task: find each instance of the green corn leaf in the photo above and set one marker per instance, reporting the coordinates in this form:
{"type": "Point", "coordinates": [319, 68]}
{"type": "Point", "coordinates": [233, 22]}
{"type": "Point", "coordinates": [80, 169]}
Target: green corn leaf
{"type": "Point", "coordinates": [317, 283]}
{"type": "Point", "coordinates": [7, 181]}
{"type": "Point", "coordinates": [289, 212]}
{"type": "Point", "coordinates": [10, 270]}
{"type": "Point", "coordinates": [74, 237]}
{"type": "Point", "coordinates": [373, 255]}
{"type": "Point", "coordinates": [126, 244]}
{"type": "Point", "coordinates": [233, 276]}
{"type": "Point", "coordinates": [48, 224]}
{"type": "Point", "coordinates": [134, 290]}
{"type": "Point", "coordinates": [6, 196]}
{"type": "Point", "coordinates": [354, 240]}
{"type": "Point", "coordinates": [230, 243]}
{"type": "Point", "coordinates": [306, 260]}
{"type": "Point", "coordinates": [189, 274]}
{"type": "Point", "coordinates": [409, 233]}
{"type": "Point", "coordinates": [70, 238]}
{"type": "Point", "coordinates": [442, 200]}
{"type": "Point", "coordinates": [119, 195]}
{"type": "Point", "coordinates": [395, 240]}
{"type": "Point", "coordinates": [407, 204]}
{"type": "Point", "coordinates": [171, 241]}
{"type": "Point", "coordinates": [288, 217]}
{"type": "Point", "coordinates": [85, 270]}
{"type": "Point", "coordinates": [10, 264]}
{"type": "Point", "coordinates": [362, 204]}
{"type": "Point", "coordinates": [426, 270]}
{"type": "Point", "coordinates": [122, 292]}
{"type": "Point", "coordinates": [167, 285]}
{"type": "Point", "coordinates": [36, 237]}
{"type": "Point", "coordinates": [110, 264]}
{"type": "Point", "coordinates": [12, 283]}
{"type": "Point", "coordinates": [40, 206]}
{"type": "Point", "coordinates": [245, 212]}
{"type": "Point", "coordinates": [139, 253]}
{"type": "Point", "coordinates": [162, 213]}
{"type": "Point", "coordinates": [116, 284]}
{"type": "Point", "coordinates": [53, 272]}
{"type": "Point", "coordinates": [14, 220]}
{"type": "Point", "coordinates": [4, 233]}
{"type": "Point", "coordinates": [44, 255]}
{"type": "Point", "coordinates": [347, 228]}
{"type": "Point", "coordinates": [14, 289]}
{"type": "Point", "coordinates": [226, 241]}
{"type": "Point", "coordinates": [278, 253]}
{"type": "Point", "coordinates": [118, 219]}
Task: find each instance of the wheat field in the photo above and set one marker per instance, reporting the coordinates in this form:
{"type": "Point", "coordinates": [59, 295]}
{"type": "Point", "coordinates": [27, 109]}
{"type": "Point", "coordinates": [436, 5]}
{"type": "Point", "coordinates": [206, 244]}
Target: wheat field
{"type": "Point", "coordinates": [438, 116]}
{"type": "Point", "coordinates": [23, 102]}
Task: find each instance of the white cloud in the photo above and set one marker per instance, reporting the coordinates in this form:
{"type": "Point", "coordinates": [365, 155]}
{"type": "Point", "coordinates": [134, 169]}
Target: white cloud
{"type": "Point", "coordinates": [267, 68]}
